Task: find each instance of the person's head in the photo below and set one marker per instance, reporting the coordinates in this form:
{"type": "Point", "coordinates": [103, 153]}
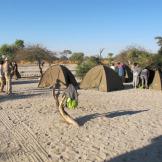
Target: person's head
{"type": "Point", "coordinates": [118, 63]}
{"type": "Point", "coordinates": [112, 64]}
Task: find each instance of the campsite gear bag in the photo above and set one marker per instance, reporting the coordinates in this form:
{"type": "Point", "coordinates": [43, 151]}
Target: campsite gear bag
{"type": "Point", "coordinates": [71, 97]}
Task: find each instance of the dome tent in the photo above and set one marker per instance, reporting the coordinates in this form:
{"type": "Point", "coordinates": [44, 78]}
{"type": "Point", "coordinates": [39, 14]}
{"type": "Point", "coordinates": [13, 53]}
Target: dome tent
{"type": "Point", "coordinates": [103, 78]}
{"type": "Point", "coordinates": [157, 81]}
{"type": "Point", "coordinates": [57, 75]}
{"type": "Point", "coordinates": [155, 76]}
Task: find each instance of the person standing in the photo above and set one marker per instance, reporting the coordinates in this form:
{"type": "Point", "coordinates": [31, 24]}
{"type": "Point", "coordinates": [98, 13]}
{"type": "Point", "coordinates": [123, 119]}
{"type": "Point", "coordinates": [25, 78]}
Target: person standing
{"type": "Point", "coordinates": [7, 74]}
{"type": "Point", "coordinates": [136, 73]}
{"type": "Point", "coordinates": [144, 78]}
{"type": "Point", "coordinates": [121, 71]}
{"type": "Point", "coordinates": [1, 77]}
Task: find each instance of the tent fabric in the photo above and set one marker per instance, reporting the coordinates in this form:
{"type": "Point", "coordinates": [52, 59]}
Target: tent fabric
{"type": "Point", "coordinates": [155, 80]}
{"type": "Point", "coordinates": [58, 76]}
{"type": "Point", "coordinates": [128, 74]}
{"type": "Point", "coordinates": [102, 78]}
{"type": "Point", "coordinates": [155, 76]}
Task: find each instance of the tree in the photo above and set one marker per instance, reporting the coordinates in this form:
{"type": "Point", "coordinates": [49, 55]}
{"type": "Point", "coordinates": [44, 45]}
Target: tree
{"type": "Point", "coordinates": [159, 42]}
{"type": "Point", "coordinates": [64, 54]}
{"type": "Point", "coordinates": [100, 53]}
{"type": "Point", "coordinates": [85, 66]}
{"type": "Point", "coordinates": [110, 57]}
{"type": "Point", "coordinates": [11, 50]}
{"type": "Point", "coordinates": [67, 52]}
{"type": "Point", "coordinates": [8, 50]}
{"type": "Point", "coordinates": [19, 43]}
{"type": "Point", "coordinates": [78, 56]}
{"type": "Point", "coordinates": [134, 54]}
{"type": "Point", "coordinates": [157, 59]}
{"type": "Point", "coordinates": [36, 53]}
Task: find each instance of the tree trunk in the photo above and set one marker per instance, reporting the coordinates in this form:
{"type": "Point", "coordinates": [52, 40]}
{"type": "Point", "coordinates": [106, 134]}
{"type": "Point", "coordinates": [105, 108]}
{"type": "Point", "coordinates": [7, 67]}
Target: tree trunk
{"type": "Point", "coordinates": [40, 68]}
{"type": "Point", "coordinates": [64, 114]}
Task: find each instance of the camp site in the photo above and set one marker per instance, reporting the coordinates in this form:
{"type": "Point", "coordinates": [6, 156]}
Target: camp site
{"type": "Point", "coordinates": [81, 81]}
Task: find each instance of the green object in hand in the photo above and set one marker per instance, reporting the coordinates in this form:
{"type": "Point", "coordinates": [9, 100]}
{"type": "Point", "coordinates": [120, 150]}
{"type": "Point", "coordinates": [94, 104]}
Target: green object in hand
{"type": "Point", "coordinates": [71, 104]}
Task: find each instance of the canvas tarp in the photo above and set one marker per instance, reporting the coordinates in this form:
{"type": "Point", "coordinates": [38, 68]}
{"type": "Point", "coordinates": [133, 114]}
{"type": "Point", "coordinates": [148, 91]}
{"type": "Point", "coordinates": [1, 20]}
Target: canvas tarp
{"type": "Point", "coordinates": [101, 78]}
{"type": "Point", "coordinates": [155, 76]}
{"type": "Point", "coordinates": [128, 74]}
{"type": "Point", "coordinates": [155, 80]}
{"type": "Point", "coordinates": [58, 76]}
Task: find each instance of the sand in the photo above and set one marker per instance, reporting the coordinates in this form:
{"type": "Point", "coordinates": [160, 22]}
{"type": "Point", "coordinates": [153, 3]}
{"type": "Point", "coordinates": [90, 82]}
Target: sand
{"type": "Point", "coordinates": [119, 126]}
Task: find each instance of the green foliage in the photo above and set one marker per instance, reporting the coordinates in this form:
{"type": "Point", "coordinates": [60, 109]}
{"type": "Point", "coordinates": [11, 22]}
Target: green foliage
{"type": "Point", "coordinates": [160, 51]}
{"type": "Point", "coordinates": [157, 59]}
{"type": "Point", "coordinates": [110, 57]}
{"type": "Point", "coordinates": [93, 60]}
{"type": "Point", "coordinates": [7, 50]}
{"type": "Point", "coordinates": [84, 67]}
{"type": "Point", "coordinates": [77, 57]}
{"type": "Point", "coordinates": [19, 43]}
{"type": "Point", "coordinates": [64, 54]}
{"type": "Point", "coordinates": [35, 53]}
{"type": "Point", "coordinates": [68, 52]}
{"type": "Point", "coordinates": [133, 54]}
{"type": "Point", "coordinates": [159, 42]}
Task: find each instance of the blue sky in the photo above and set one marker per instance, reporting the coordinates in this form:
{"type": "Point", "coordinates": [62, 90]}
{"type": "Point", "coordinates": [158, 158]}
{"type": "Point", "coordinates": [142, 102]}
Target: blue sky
{"type": "Point", "coordinates": [82, 25]}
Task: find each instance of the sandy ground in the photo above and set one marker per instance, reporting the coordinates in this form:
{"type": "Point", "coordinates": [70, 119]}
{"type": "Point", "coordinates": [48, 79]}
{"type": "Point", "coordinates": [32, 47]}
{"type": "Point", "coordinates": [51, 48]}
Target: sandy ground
{"type": "Point", "coordinates": [33, 70]}
{"type": "Point", "coordinates": [120, 126]}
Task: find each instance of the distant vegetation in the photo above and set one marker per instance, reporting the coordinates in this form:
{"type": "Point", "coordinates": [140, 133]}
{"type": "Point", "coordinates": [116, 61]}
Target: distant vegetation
{"type": "Point", "coordinates": [86, 65]}
{"type": "Point", "coordinates": [32, 53]}
{"type": "Point", "coordinates": [20, 52]}
{"type": "Point", "coordinates": [134, 54]}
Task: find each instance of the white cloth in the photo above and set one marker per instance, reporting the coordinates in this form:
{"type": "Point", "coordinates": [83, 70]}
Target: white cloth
{"type": "Point", "coordinates": [112, 67]}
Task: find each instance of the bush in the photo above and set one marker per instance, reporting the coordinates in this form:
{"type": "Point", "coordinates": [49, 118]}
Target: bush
{"type": "Point", "coordinates": [133, 54]}
{"type": "Point", "coordinates": [84, 67]}
{"type": "Point", "coordinates": [77, 57]}
{"type": "Point", "coordinates": [8, 50]}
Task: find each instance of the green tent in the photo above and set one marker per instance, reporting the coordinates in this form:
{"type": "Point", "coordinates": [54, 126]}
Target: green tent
{"type": "Point", "coordinates": [102, 78]}
{"type": "Point", "coordinates": [57, 75]}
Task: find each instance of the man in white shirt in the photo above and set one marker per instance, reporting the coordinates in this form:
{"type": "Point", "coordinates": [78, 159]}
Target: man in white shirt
{"type": "Point", "coordinates": [7, 74]}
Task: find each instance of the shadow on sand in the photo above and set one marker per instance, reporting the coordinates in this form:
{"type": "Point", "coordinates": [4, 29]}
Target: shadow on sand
{"type": "Point", "coordinates": [82, 120]}
{"type": "Point", "coordinates": [149, 153]}
{"type": "Point", "coordinates": [127, 86]}
{"type": "Point", "coordinates": [15, 82]}
{"type": "Point", "coordinates": [18, 96]}
{"type": "Point", "coordinates": [121, 113]}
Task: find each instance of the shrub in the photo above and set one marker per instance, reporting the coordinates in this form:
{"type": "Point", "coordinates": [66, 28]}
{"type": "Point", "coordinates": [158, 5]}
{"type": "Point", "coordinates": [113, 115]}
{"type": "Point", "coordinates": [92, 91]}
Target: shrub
{"type": "Point", "coordinates": [77, 57]}
{"type": "Point", "coordinates": [84, 67]}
